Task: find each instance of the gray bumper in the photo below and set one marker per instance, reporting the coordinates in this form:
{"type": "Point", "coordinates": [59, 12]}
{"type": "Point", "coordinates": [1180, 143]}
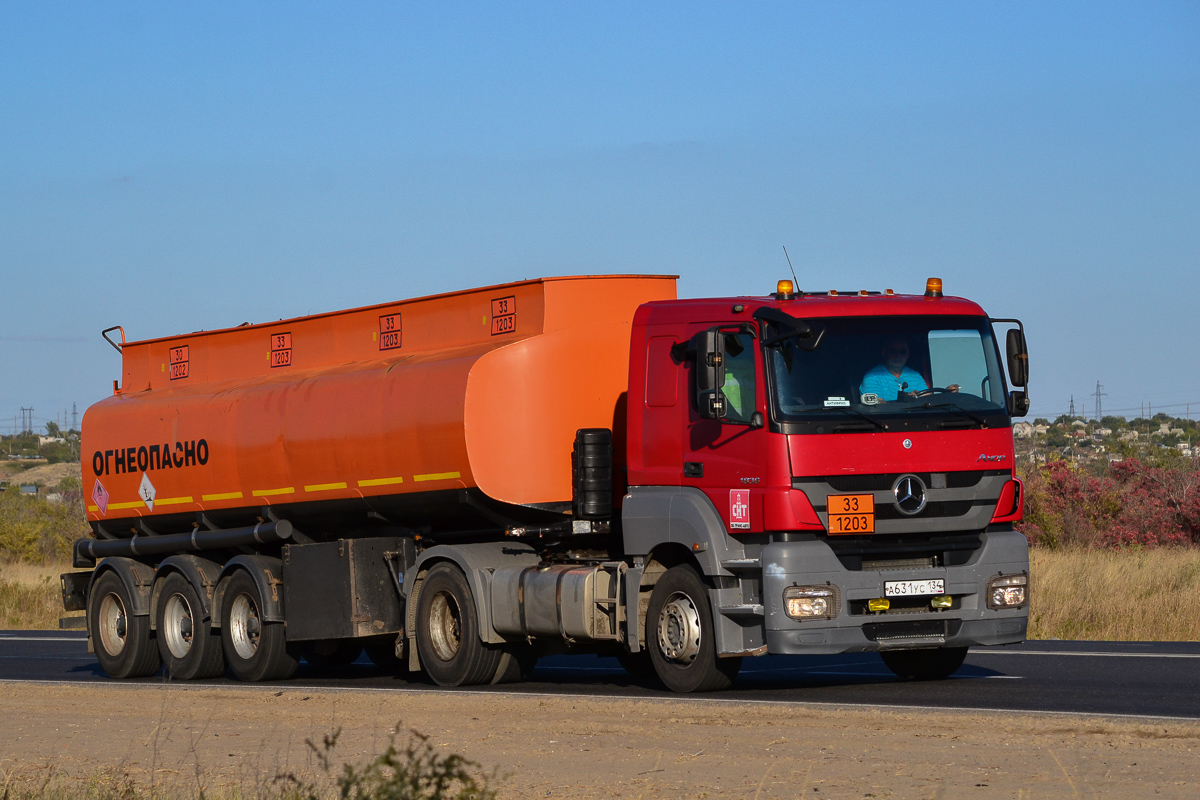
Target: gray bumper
{"type": "Point", "coordinates": [971, 623]}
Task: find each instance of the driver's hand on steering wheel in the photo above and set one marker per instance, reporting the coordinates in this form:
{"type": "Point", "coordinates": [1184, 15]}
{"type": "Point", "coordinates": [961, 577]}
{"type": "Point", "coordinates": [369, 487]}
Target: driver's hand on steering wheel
{"type": "Point", "coordinates": [952, 387]}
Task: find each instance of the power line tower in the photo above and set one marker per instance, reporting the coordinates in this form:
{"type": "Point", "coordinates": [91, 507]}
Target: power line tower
{"type": "Point", "coordinates": [1098, 394]}
{"type": "Point", "coordinates": [1071, 413]}
{"type": "Point", "coordinates": [26, 420]}
{"type": "Point", "coordinates": [74, 418]}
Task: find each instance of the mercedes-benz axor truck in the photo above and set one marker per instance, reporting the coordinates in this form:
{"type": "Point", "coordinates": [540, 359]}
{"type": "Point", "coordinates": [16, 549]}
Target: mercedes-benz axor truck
{"type": "Point", "coordinates": [461, 483]}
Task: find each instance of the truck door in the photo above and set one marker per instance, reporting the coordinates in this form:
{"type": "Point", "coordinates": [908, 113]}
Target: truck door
{"type": "Point", "coordinates": [727, 459]}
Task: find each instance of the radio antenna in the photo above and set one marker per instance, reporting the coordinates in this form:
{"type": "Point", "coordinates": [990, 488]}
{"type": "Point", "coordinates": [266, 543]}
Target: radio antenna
{"type": "Point", "coordinates": [793, 269]}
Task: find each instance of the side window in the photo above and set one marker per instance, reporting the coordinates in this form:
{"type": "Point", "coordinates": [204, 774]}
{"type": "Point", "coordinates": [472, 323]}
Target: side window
{"type": "Point", "coordinates": [739, 377]}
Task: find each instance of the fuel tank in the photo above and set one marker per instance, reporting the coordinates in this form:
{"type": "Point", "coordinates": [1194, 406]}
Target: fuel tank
{"type": "Point", "coordinates": [454, 412]}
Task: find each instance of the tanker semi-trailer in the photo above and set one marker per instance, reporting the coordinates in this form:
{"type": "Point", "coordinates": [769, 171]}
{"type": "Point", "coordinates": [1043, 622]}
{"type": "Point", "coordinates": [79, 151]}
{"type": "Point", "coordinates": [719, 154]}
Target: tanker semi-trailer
{"type": "Point", "coordinates": [460, 483]}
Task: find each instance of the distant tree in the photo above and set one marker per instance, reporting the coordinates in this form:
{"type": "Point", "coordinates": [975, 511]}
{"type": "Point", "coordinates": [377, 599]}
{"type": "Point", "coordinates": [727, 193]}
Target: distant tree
{"type": "Point", "coordinates": [52, 429]}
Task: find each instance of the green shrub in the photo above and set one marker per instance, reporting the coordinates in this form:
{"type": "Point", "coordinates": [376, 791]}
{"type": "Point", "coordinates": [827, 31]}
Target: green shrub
{"type": "Point", "coordinates": [35, 531]}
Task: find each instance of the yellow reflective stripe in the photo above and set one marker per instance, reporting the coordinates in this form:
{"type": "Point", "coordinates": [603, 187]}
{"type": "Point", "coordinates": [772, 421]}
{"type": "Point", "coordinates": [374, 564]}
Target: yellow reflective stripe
{"type": "Point", "coordinates": [93, 508]}
{"type": "Point", "coordinates": [324, 487]}
{"type": "Point", "coordinates": [437, 476]}
{"type": "Point", "coordinates": [273, 492]}
{"type": "Point", "coordinates": [119, 506]}
{"type": "Point", "coordinates": [222, 496]}
{"type": "Point", "coordinates": [380, 481]}
{"type": "Point", "coordinates": [172, 501]}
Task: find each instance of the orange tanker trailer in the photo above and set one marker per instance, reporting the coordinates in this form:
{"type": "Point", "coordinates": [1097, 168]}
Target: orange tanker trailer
{"type": "Point", "coordinates": [441, 412]}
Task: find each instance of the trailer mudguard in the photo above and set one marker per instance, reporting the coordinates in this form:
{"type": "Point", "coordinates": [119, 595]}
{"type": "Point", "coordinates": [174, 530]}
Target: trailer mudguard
{"type": "Point", "coordinates": [137, 577]}
{"type": "Point", "coordinates": [266, 572]}
{"type": "Point", "coordinates": [201, 573]}
{"type": "Point", "coordinates": [477, 561]}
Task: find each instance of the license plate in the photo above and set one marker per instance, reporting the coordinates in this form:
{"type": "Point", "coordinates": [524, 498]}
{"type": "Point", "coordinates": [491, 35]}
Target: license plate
{"type": "Point", "coordinates": [914, 588]}
{"type": "Point", "coordinates": [851, 513]}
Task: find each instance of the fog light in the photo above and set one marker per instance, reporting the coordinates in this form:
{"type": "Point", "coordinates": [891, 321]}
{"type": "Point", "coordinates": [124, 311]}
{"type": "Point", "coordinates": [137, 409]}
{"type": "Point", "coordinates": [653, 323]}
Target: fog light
{"type": "Point", "coordinates": [1008, 591]}
{"type": "Point", "coordinates": [942, 601]}
{"type": "Point", "coordinates": [879, 604]}
{"type": "Point", "coordinates": [811, 602]}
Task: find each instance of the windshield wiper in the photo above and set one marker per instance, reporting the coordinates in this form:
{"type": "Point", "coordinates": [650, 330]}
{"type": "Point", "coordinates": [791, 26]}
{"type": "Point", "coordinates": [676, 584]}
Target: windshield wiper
{"type": "Point", "coordinates": [955, 407]}
{"type": "Point", "coordinates": [878, 425]}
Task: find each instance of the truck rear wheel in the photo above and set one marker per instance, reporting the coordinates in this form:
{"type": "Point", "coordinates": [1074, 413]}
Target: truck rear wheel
{"type": "Point", "coordinates": [448, 642]}
{"type": "Point", "coordinates": [124, 643]}
{"type": "Point", "coordinates": [255, 650]}
{"type": "Point", "coordinates": [679, 630]}
{"type": "Point", "coordinates": [925, 665]}
{"type": "Point", "coordinates": [190, 646]}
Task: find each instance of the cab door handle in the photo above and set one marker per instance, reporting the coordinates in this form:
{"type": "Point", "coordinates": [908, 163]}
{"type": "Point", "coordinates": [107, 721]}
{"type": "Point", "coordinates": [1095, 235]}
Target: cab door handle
{"type": "Point", "coordinates": [693, 469]}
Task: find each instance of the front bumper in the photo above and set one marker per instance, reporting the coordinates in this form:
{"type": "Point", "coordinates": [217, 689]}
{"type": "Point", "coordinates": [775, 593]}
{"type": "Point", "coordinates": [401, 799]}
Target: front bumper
{"type": "Point", "coordinates": [971, 622]}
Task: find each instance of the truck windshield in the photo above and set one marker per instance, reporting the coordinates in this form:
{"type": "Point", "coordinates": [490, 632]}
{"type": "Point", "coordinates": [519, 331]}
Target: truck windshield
{"type": "Point", "coordinates": [889, 367]}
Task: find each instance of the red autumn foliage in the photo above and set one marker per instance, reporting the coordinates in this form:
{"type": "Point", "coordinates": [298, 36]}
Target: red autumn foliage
{"type": "Point", "coordinates": [1130, 503]}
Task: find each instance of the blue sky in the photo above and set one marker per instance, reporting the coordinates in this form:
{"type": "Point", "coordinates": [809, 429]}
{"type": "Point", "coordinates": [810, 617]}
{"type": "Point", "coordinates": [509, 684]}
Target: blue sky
{"type": "Point", "coordinates": [193, 166]}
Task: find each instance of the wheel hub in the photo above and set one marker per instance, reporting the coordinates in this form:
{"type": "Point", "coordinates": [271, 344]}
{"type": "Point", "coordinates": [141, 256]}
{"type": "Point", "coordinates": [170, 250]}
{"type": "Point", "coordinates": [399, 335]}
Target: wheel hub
{"type": "Point", "coordinates": [113, 625]}
{"type": "Point", "coordinates": [178, 626]}
{"type": "Point", "coordinates": [245, 627]}
{"type": "Point", "coordinates": [679, 629]}
{"type": "Point", "coordinates": [445, 626]}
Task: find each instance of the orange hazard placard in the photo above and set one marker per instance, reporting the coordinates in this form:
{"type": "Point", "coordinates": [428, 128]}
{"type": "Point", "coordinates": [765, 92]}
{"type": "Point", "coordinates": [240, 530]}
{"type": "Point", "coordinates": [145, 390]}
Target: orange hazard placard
{"type": "Point", "coordinates": [504, 315]}
{"type": "Point", "coordinates": [179, 362]}
{"type": "Point", "coordinates": [390, 332]}
{"type": "Point", "coordinates": [851, 513]}
{"type": "Point", "coordinates": [281, 350]}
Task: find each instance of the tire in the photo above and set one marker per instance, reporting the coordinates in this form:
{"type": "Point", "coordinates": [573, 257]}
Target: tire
{"type": "Point", "coordinates": [189, 645]}
{"type": "Point", "coordinates": [679, 633]}
{"type": "Point", "coordinates": [330, 655]}
{"type": "Point", "coordinates": [448, 642]}
{"type": "Point", "coordinates": [925, 665]}
{"type": "Point", "coordinates": [254, 650]}
{"type": "Point", "coordinates": [123, 642]}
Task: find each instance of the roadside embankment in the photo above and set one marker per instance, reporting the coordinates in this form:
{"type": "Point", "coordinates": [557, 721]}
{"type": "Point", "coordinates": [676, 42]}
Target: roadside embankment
{"type": "Point", "coordinates": [232, 741]}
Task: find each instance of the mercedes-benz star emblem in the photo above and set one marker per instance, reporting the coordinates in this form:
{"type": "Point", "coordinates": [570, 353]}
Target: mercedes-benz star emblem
{"type": "Point", "coordinates": [910, 495]}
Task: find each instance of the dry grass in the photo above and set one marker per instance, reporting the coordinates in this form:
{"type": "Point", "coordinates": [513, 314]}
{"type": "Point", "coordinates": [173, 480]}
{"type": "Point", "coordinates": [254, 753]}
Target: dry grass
{"type": "Point", "coordinates": [1113, 595]}
{"type": "Point", "coordinates": [30, 597]}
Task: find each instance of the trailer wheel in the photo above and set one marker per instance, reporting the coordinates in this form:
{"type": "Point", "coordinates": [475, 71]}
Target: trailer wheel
{"type": "Point", "coordinates": [448, 640]}
{"type": "Point", "coordinates": [190, 646]}
{"type": "Point", "coordinates": [925, 665]}
{"type": "Point", "coordinates": [124, 643]}
{"type": "Point", "coordinates": [254, 649]}
{"type": "Point", "coordinates": [679, 627]}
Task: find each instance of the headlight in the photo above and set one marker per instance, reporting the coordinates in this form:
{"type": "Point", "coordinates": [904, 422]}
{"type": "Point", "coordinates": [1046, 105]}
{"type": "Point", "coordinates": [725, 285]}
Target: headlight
{"type": "Point", "coordinates": [811, 602]}
{"type": "Point", "coordinates": [1008, 591]}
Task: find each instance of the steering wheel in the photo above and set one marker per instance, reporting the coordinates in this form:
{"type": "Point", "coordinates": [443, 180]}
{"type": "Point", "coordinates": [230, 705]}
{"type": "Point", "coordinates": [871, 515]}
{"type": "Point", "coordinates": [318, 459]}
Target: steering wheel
{"type": "Point", "coordinates": [933, 391]}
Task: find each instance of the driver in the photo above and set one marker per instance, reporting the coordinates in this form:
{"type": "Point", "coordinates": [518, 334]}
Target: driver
{"type": "Point", "coordinates": [892, 380]}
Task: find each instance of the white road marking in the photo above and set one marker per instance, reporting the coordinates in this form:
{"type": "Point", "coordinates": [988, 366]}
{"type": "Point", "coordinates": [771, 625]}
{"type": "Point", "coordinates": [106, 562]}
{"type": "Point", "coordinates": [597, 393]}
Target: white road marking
{"type": "Point", "coordinates": [1079, 653]}
{"type": "Point", "coordinates": [80, 639]}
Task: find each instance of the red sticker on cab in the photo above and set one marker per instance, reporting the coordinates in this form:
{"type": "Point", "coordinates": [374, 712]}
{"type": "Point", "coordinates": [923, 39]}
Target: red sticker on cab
{"type": "Point", "coordinates": [739, 509]}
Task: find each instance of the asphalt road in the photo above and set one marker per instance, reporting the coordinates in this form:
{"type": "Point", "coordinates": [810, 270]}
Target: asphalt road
{"type": "Point", "coordinates": [1114, 678]}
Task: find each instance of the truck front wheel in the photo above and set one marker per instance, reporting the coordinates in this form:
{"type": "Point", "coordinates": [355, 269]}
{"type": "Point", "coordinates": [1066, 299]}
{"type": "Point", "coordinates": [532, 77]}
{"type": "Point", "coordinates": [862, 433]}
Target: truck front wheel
{"type": "Point", "coordinates": [254, 649]}
{"type": "Point", "coordinates": [124, 644]}
{"type": "Point", "coordinates": [448, 642]}
{"type": "Point", "coordinates": [188, 643]}
{"type": "Point", "coordinates": [925, 665]}
{"type": "Point", "coordinates": [679, 631]}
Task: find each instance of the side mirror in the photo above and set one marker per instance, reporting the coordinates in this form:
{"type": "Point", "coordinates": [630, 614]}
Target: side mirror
{"type": "Point", "coordinates": [710, 374]}
{"type": "Point", "coordinates": [1018, 358]}
{"type": "Point", "coordinates": [1018, 404]}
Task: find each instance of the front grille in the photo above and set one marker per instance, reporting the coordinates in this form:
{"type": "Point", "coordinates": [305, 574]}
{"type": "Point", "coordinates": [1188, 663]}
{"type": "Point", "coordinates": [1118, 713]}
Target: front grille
{"type": "Point", "coordinates": [947, 508]}
{"type": "Point", "coordinates": [914, 629]}
{"type": "Point", "coordinates": [884, 481]}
